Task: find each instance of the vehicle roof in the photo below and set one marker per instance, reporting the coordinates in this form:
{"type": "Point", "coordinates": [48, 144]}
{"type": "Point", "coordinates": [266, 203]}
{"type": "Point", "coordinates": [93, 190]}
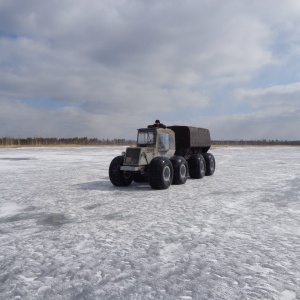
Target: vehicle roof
{"type": "Point", "coordinates": [166, 130]}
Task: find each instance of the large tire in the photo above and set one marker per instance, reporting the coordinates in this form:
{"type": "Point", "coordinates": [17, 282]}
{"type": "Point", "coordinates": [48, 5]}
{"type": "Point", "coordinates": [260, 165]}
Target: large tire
{"type": "Point", "coordinates": [197, 167]}
{"type": "Point", "coordinates": [210, 164]}
{"type": "Point", "coordinates": [160, 173]}
{"type": "Point", "coordinates": [117, 176]}
{"type": "Point", "coordinates": [180, 168]}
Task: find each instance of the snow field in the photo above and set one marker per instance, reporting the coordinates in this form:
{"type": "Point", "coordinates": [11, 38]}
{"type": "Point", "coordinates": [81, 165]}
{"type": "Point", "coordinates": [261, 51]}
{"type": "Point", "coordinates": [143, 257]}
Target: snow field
{"type": "Point", "coordinates": [67, 233]}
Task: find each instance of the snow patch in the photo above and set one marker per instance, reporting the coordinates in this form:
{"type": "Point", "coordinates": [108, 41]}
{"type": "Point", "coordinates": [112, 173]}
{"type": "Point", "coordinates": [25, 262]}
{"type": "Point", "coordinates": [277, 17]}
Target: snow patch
{"type": "Point", "coordinates": [8, 209]}
{"type": "Point", "coordinates": [288, 295]}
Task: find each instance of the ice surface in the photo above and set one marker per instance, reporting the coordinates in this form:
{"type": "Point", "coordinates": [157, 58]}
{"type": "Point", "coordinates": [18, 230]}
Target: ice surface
{"type": "Point", "coordinates": [67, 233]}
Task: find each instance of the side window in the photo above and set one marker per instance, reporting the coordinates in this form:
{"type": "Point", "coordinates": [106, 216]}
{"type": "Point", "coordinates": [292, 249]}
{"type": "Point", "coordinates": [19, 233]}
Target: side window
{"type": "Point", "coordinates": [163, 142]}
{"type": "Point", "coordinates": [172, 141]}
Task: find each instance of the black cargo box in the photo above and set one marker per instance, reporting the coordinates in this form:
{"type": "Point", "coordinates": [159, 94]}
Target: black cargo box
{"type": "Point", "coordinates": [191, 140]}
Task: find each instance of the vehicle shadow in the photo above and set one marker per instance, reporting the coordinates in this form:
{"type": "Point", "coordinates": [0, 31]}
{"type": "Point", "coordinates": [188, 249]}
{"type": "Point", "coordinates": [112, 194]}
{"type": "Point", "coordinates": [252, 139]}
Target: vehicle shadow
{"type": "Point", "coordinates": [106, 185]}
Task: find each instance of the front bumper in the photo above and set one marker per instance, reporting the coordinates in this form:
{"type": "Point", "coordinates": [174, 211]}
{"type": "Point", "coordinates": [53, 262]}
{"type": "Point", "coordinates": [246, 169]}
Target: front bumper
{"type": "Point", "coordinates": [130, 168]}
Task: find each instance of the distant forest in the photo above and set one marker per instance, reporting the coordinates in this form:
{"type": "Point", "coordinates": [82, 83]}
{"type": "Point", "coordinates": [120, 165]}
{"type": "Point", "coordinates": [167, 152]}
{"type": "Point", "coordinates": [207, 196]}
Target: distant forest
{"type": "Point", "coordinates": [84, 141]}
{"type": "Point", "coordinates": [80, 141]}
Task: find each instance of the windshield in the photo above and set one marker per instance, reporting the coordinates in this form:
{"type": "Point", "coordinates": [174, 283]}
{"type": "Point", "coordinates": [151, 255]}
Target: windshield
{"type": "Point", "coordinates": [146, 138]}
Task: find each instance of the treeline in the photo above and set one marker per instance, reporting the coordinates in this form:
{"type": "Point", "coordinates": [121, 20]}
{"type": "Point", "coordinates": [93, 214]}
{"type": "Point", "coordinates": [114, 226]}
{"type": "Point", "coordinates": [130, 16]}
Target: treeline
{"type": "Point", "coordinates": [256, 142]}
{"type": "Point", "coordinates": [84, 141]}
{"type": "Point", "coordinates": [81, 141]}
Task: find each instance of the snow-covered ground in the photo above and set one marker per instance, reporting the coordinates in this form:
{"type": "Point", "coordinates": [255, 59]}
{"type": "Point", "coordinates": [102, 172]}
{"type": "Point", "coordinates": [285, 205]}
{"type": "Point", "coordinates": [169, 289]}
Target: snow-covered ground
{"type": "Point", "coordinates": [67, 233]}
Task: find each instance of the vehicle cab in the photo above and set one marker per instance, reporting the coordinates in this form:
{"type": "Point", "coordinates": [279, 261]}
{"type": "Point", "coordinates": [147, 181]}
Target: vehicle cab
{"type": "Point", "coordinates": [151, 142]}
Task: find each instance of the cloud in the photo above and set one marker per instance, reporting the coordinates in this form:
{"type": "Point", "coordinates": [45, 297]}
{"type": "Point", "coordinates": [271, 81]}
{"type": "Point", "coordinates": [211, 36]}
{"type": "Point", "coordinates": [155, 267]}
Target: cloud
{"type": "Point", "coordinates": [94, 65]}
{"type": "Point", "coordinates": [282, 98]}
{"type": "Point", "coordinates": [253, 126]}
{"type": "Point", "coordinates": [64, 122]}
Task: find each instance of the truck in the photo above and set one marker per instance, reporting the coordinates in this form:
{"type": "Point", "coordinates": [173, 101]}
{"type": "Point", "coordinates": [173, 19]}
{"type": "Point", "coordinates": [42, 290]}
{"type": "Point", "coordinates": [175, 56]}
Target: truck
{"type": "Point", "coordinates": [164, 156]}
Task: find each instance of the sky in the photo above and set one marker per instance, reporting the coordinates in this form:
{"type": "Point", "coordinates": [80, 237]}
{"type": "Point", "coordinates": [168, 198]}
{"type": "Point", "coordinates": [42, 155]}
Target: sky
{"type": "Point", "coordinates": [105, 68]}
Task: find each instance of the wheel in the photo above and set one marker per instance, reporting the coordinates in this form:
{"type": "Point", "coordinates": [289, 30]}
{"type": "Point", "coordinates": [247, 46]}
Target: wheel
{"type": "Point", "coordinates": [116, 176]}
{"type": "Point", "coordinates": [180, 168]}
{"type": "Point", "coordinates": [160, 173]}
{"type": "Point", "coordinates": [138, 177]}
{"type": "Point", "coordinates": [197, 167]}
{"type": "Point", "coordinates": [210, 164]}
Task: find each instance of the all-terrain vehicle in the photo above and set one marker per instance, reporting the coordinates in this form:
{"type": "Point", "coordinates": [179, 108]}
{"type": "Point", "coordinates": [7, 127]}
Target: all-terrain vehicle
{"type": "Point", "coordinates": [164, 156]}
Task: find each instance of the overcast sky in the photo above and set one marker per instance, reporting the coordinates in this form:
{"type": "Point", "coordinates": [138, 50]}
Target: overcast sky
{"type": "Point", "coordinates": [103, 68]}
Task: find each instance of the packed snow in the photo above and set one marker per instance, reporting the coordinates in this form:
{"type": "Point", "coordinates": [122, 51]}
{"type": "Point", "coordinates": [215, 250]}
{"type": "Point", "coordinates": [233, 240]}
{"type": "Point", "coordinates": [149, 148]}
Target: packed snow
{"type": "Point", "coordinates": [67, 233]}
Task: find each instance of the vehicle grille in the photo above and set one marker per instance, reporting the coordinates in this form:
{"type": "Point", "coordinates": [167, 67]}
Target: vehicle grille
{"type": "Point", "coordinates": [132, 156]}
